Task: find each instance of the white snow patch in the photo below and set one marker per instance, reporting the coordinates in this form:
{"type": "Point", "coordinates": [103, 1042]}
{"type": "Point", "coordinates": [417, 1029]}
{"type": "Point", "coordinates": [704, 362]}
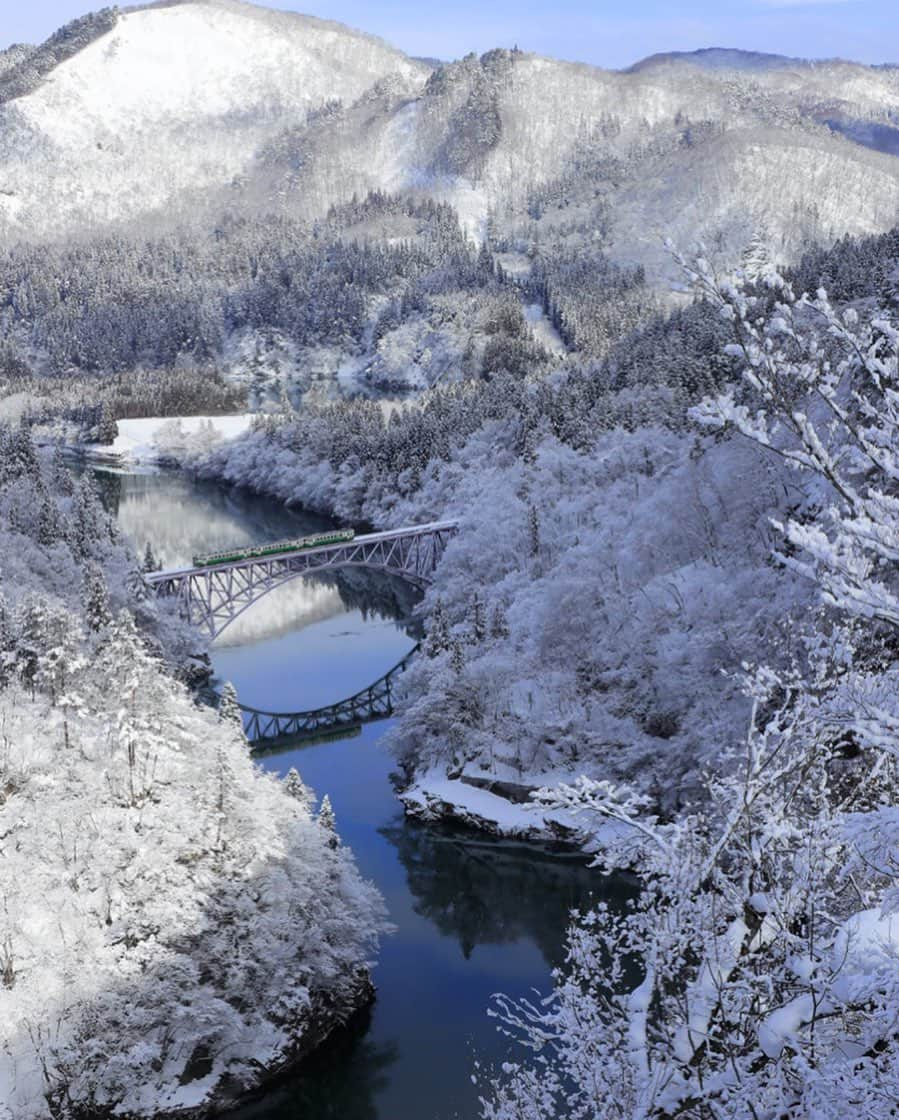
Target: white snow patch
{"type": "Point", "coordinates": [154, 439]}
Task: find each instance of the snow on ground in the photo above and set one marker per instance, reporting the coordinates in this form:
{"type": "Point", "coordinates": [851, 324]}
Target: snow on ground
{"type": "Point", "coordinates": [154, 439]}
{"type": "Point", "coordinates": [14, 407]}
{"type": "Point", "coordinates": [434, 796]}
{"type": "Point", "coordinates": [543, 330]}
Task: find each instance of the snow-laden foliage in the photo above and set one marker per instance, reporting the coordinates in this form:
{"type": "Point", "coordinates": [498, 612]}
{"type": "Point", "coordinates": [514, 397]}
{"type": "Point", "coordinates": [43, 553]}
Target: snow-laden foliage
{"type": "Point", "coordinates": [174, 923]}
{"type": "Point", "coordinates": [766, 935]}
{"type": "Point", "coordinates": [821, 390]}
{"type": "Point", "coordinates": [754, 976]}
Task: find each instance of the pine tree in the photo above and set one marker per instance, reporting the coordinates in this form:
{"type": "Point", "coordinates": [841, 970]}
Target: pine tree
{"type": "Point", "coordinates": [328, 821]}
{"type": "Point", "coordinates": [499, 624]}
{"type": "Point", "coordinates": [438, 638]}
{"type": "Point", "coordinates": [7, 640]}
{"type": "Point", "coordinates": [295, 787]}
{"type": "Point", "coordinates": [49, 524]}
{"type": "Point", "coordinates": [62, 476]}
{"type": "Point", "coordinates": [229, 708]}
{"type": "Point", "coordinates": [106, 429]}
{"type": "Point", "coordinates": [756, 259]}
{"type": "Point", "coordinates": [87, 518]}
{"type": "Point", "coordinates": [534, 529]}
{"type": "Point", "coordinates": [485, 268]}
{"type": "Point", "coordinates": [22, 459]}
{"type": "Point", "coordinates": [151, 564]}
{"type": "Point", "coordinates": [457, 657]}
{"type": "Point", "coordinates": [95, 598]}
{"type": "Point", "coordinates": [478, 618]}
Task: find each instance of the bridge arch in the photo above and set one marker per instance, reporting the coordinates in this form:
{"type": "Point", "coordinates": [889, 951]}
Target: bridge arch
{"type": "Point", "coordinates": [289, 577]}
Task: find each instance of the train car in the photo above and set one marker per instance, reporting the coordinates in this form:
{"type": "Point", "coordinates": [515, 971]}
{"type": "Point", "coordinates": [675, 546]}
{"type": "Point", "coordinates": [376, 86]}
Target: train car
{"type": "Point", "coordinates": [276, 548]}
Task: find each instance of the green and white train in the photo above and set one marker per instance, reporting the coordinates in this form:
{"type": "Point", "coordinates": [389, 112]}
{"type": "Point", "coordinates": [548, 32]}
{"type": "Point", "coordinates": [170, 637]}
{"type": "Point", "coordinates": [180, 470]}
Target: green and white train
{"type": "Point", "coordinates": [338, 536]}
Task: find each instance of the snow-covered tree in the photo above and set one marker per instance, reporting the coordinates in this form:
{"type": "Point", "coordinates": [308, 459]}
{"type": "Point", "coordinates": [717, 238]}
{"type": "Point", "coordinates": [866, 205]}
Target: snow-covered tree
{"type": "Point", "coordinates": [756, 964]}
{"type": "Point", "coordinates": [764, 937]}
{"type": "Point", "coordinates": [229, 709]}
{"type": "Point", "coordinates": [295, 787]}
{"type": "Point", "coordinates": [438, 636]}
{"type": "Point", "coordinates": [95, 597]}
{"type": "Point", "coordinates": [150, 564]}
{"type": "Point", "coordinates": [327, 822]}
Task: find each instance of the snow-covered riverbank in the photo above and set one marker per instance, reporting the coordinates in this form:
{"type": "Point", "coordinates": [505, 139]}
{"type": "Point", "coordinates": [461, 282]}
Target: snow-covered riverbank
{"type": "Point", "coordinates": [157, 440]}
{"type": "Point", "coordinates": [176, 925]}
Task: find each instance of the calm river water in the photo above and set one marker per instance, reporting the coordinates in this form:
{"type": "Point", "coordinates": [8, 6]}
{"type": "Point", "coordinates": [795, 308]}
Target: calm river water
{"type": "Point", "coordinates": [473, 916]}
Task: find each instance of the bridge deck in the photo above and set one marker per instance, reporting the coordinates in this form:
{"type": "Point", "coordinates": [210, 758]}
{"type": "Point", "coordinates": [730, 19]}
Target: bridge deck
{"type": "Point", "coordinates": [363, 539]}
{"type": "Point", "coordinates": [213, 595]}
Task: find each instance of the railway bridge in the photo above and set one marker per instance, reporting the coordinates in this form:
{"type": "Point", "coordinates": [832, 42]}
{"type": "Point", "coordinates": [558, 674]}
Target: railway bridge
{"type": "Point", "coordinates": [212, 597]}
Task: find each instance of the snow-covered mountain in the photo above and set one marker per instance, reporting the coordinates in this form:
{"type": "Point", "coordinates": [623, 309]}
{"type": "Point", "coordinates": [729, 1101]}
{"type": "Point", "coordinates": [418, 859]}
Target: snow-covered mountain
{"type": "Point", "coordinates": [213, 105]}
{"type": "Point", "coordinates": [169, 101]}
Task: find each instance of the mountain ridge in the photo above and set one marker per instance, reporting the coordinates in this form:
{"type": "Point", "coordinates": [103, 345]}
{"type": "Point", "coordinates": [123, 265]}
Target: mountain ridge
{"type": "Point", "coordinates": [183, 109]}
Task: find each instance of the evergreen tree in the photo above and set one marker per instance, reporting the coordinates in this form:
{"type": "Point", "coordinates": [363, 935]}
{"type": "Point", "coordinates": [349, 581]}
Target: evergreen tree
{"type": "Point", "coordinates": [328, 821]}
{"type": "Point", "coordinates": [61, 475]}
{"type": "Point", "coordinates": [485, 267]}
{"type": "Point", "coordinates": [756, 259]}
{"type": "Point", "coordinates": [438, 638]}
{"type": "Point", "coordinates": [151, 564]}
{"type": "Point", "coordinates": [499, 624]}
{"type": "Point", "coordinates": [478, 618]}
{"type": "Point", "coordinates": [229, 708]}
{"type": "Point", "coordinates": [534, 529]}
{"type": "Point", "coordinates": [106, 429]}
{"type": "Point", "coordinates": [95, 597]}
{"type": "Point", "coordinates": [89, 521]}
{"type": "Point", "coordinates": [21, 459]}
{"type": "Point", "coordinates": [49, 523]}
{"type": "Point", "coordinates": [7, 640]}
{"type": "Point", "coordinates": [457, 657]}
{"type": "Point", "coordinates": [295, 787]}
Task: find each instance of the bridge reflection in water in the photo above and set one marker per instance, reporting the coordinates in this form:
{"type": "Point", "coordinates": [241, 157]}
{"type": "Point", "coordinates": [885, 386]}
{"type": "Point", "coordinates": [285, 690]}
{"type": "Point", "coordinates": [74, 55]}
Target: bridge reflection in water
{"type": "Point", "coordinates": [268, 730]}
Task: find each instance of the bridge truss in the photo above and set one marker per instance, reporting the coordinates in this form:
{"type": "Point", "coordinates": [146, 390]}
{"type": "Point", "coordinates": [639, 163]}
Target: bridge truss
{"type": "Point", "coordinates": [213, 597]}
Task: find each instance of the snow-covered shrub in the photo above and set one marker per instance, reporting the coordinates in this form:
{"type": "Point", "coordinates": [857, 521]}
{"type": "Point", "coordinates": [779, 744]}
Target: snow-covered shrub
{"type": "Point", "coordinates": [755, 975]}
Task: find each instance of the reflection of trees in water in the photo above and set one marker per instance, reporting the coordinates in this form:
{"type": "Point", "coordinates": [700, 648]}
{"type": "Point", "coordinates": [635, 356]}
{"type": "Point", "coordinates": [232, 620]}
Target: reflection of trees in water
{"type": "Point", "coordinates": [376, 594]}
{"type": "Point", "coordinates": [258, 519]}
{"type": "Point", "coordinates": [485, 892]}
{"type": "Point", "coordinates": [109, 486]}
{"type": "Point", "coordinates": [339, 1082]}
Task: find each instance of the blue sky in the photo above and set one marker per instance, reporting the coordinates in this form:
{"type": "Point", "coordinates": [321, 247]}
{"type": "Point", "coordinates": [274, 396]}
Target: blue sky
{"type": "Point", "coordinates": [604, 32]}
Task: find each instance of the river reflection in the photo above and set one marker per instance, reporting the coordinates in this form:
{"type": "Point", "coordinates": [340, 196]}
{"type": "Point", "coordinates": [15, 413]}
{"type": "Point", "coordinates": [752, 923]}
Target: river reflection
{"type": "Point", "coordinates": [473, 916]}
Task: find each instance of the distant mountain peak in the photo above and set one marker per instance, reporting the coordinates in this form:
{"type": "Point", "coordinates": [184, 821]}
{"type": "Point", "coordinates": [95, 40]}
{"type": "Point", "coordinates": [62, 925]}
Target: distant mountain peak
{"type": "Point", "coordinates": [721, 58]}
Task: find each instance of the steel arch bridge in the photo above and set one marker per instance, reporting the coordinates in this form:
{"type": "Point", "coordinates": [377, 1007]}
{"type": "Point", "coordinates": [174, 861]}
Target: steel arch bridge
{"type": "Point", "coordinates": [211, 598]}
{"type": "Point", "coordinates": [267, 730]}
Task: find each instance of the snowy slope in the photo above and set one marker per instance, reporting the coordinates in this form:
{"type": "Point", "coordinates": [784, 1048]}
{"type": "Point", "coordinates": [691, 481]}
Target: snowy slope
{"type": "Point", "coordinates": [173, 99]}
{"type": "Point", "coordinates": [499, 132]}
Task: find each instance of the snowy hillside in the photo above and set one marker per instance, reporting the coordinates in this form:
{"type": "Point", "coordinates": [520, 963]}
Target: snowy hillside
{"type": "Point", "coordinates": [534, 139]}
{"type": "Point", "coordinates": [173, 100]}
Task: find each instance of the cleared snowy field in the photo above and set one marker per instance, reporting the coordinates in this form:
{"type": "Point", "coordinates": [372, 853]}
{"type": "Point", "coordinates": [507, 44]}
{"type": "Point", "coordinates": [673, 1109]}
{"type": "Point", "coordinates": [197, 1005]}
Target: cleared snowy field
{"type": "Point", "coordinates": [156, 439]}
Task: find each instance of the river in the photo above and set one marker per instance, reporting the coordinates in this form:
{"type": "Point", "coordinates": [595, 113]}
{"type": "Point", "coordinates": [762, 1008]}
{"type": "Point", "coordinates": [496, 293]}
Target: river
{"type": "Point", "coordinates": [473, 916]}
